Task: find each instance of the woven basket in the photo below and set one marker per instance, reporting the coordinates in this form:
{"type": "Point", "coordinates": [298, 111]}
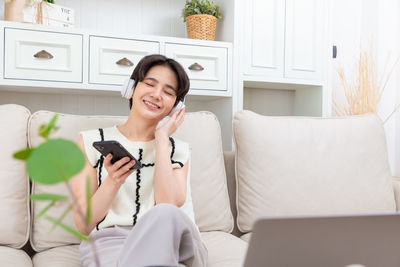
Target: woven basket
{"type": "Point", "coordinates": [201, 26]}
{"type": "Point", "coordinates": [13, 10]}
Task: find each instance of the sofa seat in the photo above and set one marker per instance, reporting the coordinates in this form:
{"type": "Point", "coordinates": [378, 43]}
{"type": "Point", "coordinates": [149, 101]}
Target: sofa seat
{"type": "Point", "coordinates": [64, 256]}
{"type": "Point", "coordinates": [216, 242]}
{"type": "Point", "coordinates": [11, 257]}
{"type": "Point", "coordinates": [246, 237]}
{"type": "Point", "coordinates": [224, 250]}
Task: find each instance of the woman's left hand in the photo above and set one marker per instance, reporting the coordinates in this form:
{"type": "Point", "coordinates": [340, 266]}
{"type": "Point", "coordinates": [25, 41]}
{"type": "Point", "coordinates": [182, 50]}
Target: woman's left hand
{"type": "Point", "coordinates": [171, 125]}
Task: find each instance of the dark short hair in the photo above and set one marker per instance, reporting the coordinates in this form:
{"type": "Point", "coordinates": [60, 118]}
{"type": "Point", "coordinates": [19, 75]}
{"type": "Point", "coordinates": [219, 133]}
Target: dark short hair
{"type": "Point", "coordinates": [146, 63]}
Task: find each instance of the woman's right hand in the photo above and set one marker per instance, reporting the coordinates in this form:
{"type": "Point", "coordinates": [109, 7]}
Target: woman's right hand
{"type": "Point", "coordinates": [120, 170]}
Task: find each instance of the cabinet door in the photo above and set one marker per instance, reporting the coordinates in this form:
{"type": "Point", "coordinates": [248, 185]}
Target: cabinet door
{"type": "Point", "coordinates": [264, 28]}
{"type": "Point", "coordinates": [44, 56]}
{"type": "Point", "coordinates": [205, 66]}
{"type": "Point", "coordinates": [112, 60]}
{"type": "Point", "coordinates": [305, 20]}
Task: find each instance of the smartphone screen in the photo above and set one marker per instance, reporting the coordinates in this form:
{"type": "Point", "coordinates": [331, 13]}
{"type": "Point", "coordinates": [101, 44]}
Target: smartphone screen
{"type": "Point", "coordinates": [117, 150]}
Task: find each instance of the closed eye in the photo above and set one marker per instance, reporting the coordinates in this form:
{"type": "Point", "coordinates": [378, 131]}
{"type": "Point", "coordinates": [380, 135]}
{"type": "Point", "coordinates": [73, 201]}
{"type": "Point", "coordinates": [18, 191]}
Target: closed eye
{"type": "Point", "coordinates": [169, 93]}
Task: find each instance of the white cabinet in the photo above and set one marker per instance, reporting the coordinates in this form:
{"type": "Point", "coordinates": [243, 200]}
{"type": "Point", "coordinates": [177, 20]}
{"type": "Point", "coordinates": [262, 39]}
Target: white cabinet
{"type": "Point", "coordinates": [264, 35]}
{"type": "Point", "coordinates": [112, 60]}
{"type": "Point", "coordinates": [44, 56]}
{"type": "Point", "coordinates": [91, 62]}
{"type": "Point", "coordinates": [207, 67]}
{"type": "Point", "coordinates": [284, 39]}
{"type": "Point", "coordinates": [304, 39]}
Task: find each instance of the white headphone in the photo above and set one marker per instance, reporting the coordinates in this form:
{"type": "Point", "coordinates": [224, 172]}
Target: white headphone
{"type": "Point", "coordinates": [127, 91]}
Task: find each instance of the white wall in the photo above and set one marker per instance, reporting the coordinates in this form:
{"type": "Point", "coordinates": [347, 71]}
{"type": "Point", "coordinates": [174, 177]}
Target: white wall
{"type": "Point", "coordinates": [68, 103]}
{"type": "Point", "coordinates": [358, 22]}
{"type": "Point", "coordinates": [155, 17]}
{"type": "Point", "coordinates": [271, 102]}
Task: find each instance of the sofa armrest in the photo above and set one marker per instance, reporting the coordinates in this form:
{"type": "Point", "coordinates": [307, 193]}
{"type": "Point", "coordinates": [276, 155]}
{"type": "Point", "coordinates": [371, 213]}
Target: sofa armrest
{"type": "Point", "coordinates": [396, 189]}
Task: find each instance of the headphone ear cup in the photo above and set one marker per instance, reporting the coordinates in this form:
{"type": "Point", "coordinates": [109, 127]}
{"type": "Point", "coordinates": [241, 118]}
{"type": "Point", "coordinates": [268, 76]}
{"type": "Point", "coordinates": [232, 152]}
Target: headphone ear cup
{"type": "Point", "coordinates": [127, 88]}
{"type": "Point", "coordinates": [178, 106]}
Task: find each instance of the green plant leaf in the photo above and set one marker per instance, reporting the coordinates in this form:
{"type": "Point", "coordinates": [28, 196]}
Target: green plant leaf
{"type": "Point", "coordinates": [43, 211]}
{"type": "Point", "coordinates": [45, 130]}
{"type": "Point", "coordinates": [23, 154]}
{"type": "Point", "coordinates": [67, 210]}
{"type": "Point", "coordinates": [54, 161]}
{"type": "Point", "coordinates": [52, 197]}
{"type": "Point", "coordinates": [194, 7]}
{"type": "Point", "coordinates": [68, 229]}
{"type": "Point", "coordinates": [88, 202]}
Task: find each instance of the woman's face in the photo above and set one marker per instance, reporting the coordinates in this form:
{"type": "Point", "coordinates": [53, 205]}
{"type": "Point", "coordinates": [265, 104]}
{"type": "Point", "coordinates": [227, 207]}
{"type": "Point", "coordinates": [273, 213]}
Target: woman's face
{"type": "Point", "coordinates": [154, 97]}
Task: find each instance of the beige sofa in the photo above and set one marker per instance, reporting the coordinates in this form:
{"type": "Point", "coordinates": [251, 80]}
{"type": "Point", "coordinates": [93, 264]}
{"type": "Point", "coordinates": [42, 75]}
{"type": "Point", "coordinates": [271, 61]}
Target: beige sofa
{"type": "Point", "coordinates": [283, 166]}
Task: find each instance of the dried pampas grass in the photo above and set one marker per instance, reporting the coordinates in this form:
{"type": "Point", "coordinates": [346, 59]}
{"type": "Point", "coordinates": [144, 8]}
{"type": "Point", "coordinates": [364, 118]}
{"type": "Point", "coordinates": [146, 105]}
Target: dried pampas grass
{"type": "Point", "coordinates": [365, 94]}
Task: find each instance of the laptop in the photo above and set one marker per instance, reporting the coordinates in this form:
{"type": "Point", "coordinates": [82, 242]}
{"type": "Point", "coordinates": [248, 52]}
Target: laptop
{"type": "Point", "coordinates": [328, 241]}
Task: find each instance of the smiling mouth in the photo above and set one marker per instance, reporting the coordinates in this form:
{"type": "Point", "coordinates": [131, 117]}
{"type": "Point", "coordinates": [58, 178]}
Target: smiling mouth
{"type": "Point", "coordinates": [151, 104]}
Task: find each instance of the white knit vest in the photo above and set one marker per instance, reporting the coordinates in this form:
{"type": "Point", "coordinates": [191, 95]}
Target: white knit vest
{"type": "Point", "coordinates": [126, 208]}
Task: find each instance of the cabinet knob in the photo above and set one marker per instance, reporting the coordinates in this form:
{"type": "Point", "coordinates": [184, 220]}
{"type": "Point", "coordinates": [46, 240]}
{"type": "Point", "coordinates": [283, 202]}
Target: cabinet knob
{"type": "Point", "coordinates": [43, 54]}
{"type": "Point", "coordinates": [196, 66]}
{"type": "Point", "coordinates": [124, 62]}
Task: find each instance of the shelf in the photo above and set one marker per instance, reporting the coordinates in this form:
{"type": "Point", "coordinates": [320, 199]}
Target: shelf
{"type": "Point", "coordinates": [273, 83]}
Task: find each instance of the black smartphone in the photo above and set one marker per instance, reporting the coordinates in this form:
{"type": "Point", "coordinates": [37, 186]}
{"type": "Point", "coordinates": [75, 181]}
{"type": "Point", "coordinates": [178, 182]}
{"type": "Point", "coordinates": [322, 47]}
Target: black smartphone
{"type": "Point", "coordinates": [117, 150]}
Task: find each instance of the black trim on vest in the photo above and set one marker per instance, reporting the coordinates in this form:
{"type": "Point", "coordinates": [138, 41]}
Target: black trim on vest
{"type": "Point", "coordinates": [148, 164]}
{"type": "Point", "coordinates": [100, 161]}
{"type": "Point", "coordinates": [97, 225]}
{"type": "Point", "coordinates": [100, 164]}
{"type": "Point", "coordinates": [174, 161]}
{"type": "Point", "coordinates": [173, 146]}
{"type": "Point", "coordinates": [173, 152]}
{"type": "Point", "coordinates": [137, 201]}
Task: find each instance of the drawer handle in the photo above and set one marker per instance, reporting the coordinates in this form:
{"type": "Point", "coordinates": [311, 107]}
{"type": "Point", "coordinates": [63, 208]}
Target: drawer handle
{"type": "Point", "coordinates": [43, 54]}
{"type": "Point", "coordinates": [196, 66]}
{"type": "Point", "coordinates": [124, 62]}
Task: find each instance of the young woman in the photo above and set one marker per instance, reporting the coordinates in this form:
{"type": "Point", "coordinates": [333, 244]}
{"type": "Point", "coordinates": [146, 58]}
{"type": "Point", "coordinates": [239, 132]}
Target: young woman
{"type": "Point", "coordinates": [141, 217]}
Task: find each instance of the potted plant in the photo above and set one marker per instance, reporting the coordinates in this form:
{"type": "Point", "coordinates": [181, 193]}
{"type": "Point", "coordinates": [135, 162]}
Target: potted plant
{"type": "Point", "coordinates": [365, 93]}
{"type": "Point", "coordinates": [201, 19]}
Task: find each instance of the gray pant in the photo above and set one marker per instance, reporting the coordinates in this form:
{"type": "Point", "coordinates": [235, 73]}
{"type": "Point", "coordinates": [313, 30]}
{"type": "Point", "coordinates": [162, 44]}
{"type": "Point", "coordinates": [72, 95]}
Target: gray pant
{"type": "Point", "coordinates": [164, 236]}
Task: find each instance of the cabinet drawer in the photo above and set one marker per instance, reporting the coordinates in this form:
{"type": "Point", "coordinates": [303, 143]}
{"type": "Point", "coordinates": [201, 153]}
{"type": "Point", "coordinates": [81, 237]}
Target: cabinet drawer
{"type": "Point", "coordinates": [47, 56]}
{"type": "Point", "coordinates": [112, 60]}
{"type": "Point", "coordinates": [205, 66]}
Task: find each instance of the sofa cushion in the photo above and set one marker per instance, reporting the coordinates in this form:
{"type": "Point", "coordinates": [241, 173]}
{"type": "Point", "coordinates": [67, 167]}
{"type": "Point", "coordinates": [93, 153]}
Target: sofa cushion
{"type": "Point", "coordinates": [14, 189]}
{"type": "Point", "coordinates": [64, 256]}
{"type": "Point", "coordinates": [396, 187]}
{"type": "Point", "coordinates": [224, 250]}
{"type": "Point", "coordinates": [246, 237]}
{"type": "Point", "coordinates": [208, 185]}
{"type": "Point", "coordinates": [10, 257]}
{"type": "Point", "coordinates": [310, 166]}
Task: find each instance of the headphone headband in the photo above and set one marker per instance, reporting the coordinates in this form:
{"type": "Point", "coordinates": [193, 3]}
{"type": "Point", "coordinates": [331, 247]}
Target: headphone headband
{"type": "Point", "coordinates": [127, 88]}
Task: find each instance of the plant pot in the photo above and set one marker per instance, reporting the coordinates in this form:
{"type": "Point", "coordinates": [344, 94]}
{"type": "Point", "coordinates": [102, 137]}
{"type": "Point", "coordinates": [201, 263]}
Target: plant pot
{"type": "Point", "coordinates": [201, 26]}
{"type": "Point", "coordinates": [13, 10]}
